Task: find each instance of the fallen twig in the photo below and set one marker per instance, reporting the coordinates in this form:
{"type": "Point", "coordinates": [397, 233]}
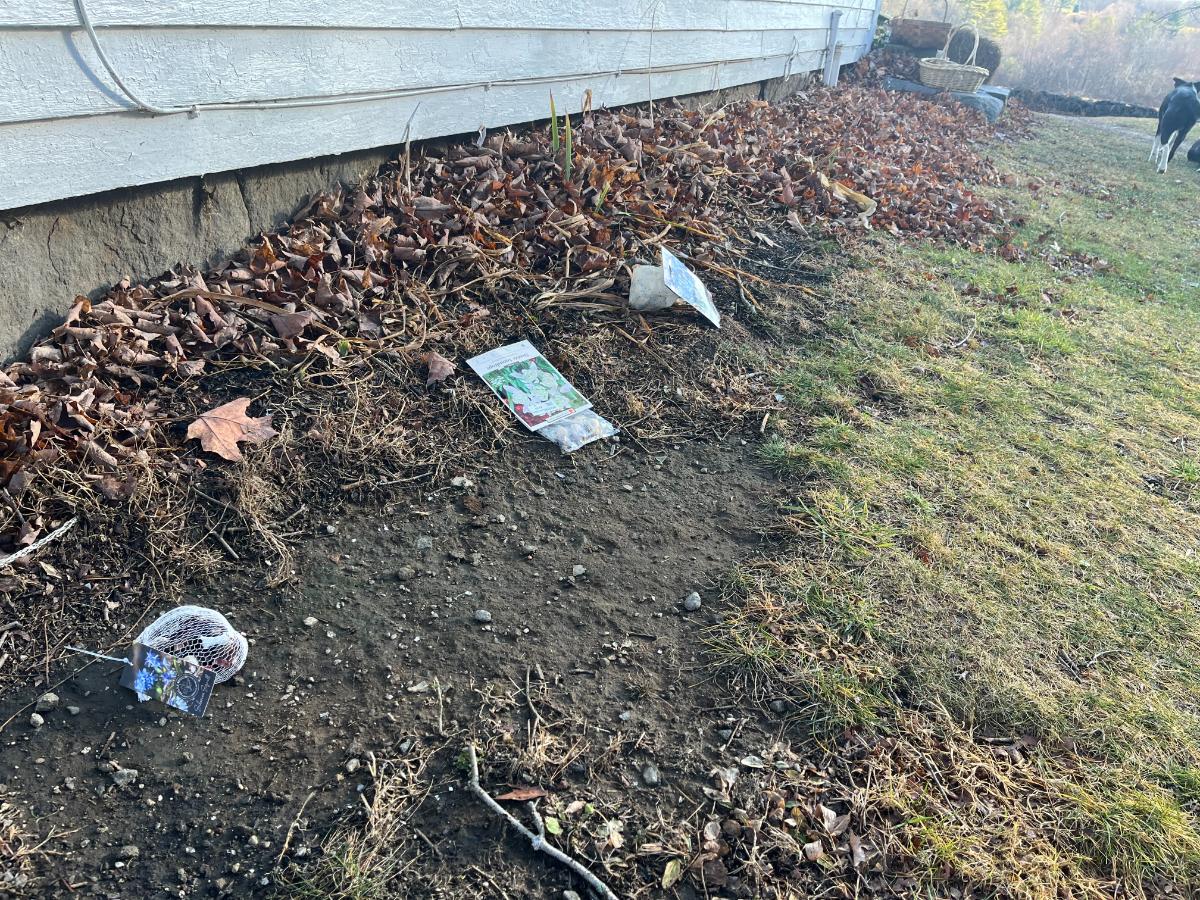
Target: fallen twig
{"type": "Point", "coordinates": [536, 841]}
{"type": "Point", "coordinates": [40, 542]}
{"type": "Point", "coordinates": [287, 841]}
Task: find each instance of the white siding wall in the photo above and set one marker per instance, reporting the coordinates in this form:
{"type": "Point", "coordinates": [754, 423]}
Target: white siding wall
{"type": "Point", "coordinates": [446, 67]}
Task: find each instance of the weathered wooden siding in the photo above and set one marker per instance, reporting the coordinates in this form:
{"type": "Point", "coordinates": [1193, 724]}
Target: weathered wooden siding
{"type": "Point", "coordinates": [295, 79]}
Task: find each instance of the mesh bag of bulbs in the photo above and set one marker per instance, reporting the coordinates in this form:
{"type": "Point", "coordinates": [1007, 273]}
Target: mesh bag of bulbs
{"type": "Point", "coordinates": [198, 635]}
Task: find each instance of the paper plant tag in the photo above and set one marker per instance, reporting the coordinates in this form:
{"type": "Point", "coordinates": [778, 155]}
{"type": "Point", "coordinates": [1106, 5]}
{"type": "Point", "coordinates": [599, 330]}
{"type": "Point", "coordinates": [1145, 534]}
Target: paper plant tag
{"type": "Point", "coordinates": [178, 683]}
{"type": "Point", "coordinates": [532, 389]}
{"type": "Point", "coordinates": [687, 287]}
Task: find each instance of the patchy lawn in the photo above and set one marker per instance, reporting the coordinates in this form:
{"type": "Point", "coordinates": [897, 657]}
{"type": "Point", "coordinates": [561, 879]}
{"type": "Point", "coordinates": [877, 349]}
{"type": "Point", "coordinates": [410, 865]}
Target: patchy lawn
{"type": "Point", "coordinates": [995, 523]}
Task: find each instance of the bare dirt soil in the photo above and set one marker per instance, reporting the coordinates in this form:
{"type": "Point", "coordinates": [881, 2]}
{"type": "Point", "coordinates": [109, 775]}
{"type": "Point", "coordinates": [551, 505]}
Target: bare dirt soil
{"type": "Point", "coordinates": [397, 659]}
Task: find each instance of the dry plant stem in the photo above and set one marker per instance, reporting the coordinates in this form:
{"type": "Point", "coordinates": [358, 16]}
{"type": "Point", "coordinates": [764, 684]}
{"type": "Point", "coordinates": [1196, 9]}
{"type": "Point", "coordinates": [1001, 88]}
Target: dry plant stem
{"type": "Point", "coordinates": [287, 841]}
{"type": "Point", "coordinates": [536, 841]}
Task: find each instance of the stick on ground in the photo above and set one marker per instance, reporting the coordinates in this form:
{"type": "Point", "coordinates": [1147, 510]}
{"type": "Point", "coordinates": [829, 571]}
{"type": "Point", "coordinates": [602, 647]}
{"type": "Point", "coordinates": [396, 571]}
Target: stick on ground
{"type": "Point", "coordinates": [536, 841]}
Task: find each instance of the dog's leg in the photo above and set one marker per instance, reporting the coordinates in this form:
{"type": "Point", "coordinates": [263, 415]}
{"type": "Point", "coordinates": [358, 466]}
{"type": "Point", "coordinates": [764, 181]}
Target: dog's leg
{"type": "Point", "coordinates": [1164, 153]}
{"type": "Point", "coordinates": [1154, 148]}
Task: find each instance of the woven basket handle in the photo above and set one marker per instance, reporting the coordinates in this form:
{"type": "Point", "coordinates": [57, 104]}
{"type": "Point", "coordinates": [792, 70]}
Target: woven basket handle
{"type": "Point", "coordinates": [945, 54]}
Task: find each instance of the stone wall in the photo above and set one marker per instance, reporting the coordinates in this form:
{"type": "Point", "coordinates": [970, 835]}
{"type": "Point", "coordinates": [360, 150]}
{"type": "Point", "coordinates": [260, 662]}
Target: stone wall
{"type": "Point", "coordinates": [1044, 101]}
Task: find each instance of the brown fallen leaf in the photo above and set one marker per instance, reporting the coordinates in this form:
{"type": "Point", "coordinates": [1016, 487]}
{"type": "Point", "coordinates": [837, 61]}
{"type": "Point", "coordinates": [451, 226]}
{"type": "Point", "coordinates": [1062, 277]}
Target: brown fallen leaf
{"type": "Point", "coordinates": [291, 325]}
{"type": "Point", "coordinates": [440, 368]}
{"type": "Point", "coordinates": [220, 430]}
{"type": "Point", "coordinates": [523, 794]}
{"type": "Point", "coordinates": [858, 856]}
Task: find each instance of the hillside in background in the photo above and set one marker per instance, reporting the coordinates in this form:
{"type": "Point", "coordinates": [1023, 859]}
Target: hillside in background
{"type": "Point", "coordinates": [1121, 50]}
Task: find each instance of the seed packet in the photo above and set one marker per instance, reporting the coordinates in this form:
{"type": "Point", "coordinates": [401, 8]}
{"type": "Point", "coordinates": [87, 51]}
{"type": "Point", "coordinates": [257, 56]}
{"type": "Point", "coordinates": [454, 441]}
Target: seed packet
{"type": "Point", "coordinates": [540, 397]}
{"type": "Point", "coordinates": [179, 683]}
{"type": "Point", "coordinates": [690, 289]}
{"type": "Point", "coordinates": [532, 389]}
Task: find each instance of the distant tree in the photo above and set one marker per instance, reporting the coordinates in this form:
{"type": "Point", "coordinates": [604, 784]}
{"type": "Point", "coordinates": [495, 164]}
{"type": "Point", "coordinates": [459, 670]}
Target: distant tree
{"type": "Point", "coordinates": [990, 15]}
{"type": "Point", "coordinates": [1031, 11]}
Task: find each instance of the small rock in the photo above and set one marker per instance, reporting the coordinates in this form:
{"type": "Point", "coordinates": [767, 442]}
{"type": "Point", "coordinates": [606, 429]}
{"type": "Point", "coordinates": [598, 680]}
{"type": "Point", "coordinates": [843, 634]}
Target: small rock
{"type": "Point", "coordinates": [253, 840]}
{"type": "Point", "coordinates": [651, 776]}
{"type": "Point", "coordinates": [47, 702]}
{"type": "Point", "coordinates": [779, 707]}
{"type": "Point", "coordinates": [421, 687]}
{"type": "Point", "coordinates": [129, 851]}
{"type": "Point", "coordinates": [462, 481]}
{"type": "Point", "coordinates": [753, 762]}
{"type": "Point", "coordinates": [725, 734]}
{"type": "Point", "coordinates": [331, 529]}
{"type": "Point", "coordinates": [570, 895]}
{"type": "Point", "coordinates": [72, 710]}
{"type": "Point", "coordinates": [36, 721]}
{"type": "Point", "coordinates": [310, 621]}
{"type": "Point", "coordinates": [577, 571]}
{"type": "Point", "coordinates": [124, 777]}
{"type": "Point", "coordinates": [352, 766]}
{"type": "Point", "coordinates": [406, 573]}
{"type": "Point", "coordinates": [627, 487]}
{"type": "Point", "coordinates": [424, 542]}
{"type": "Point", "coordinates": [691, 602]}
{"type": "Point", "coordinates": [625, 716]}
{"type": "Point", "coordinates": [483, 616]}
{"type": "Point", "coordinates": [68, 784]}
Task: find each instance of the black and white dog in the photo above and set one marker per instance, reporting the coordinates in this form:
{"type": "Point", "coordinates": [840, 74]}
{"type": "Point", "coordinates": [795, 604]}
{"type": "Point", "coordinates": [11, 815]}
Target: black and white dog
{"type": "Point", "coordinates": [1179, 111]}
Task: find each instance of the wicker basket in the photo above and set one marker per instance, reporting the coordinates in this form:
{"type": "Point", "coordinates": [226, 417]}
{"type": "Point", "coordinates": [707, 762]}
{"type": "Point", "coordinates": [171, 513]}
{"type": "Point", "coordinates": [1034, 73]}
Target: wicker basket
{"type": "Point", "coordinates": [921, 33]}
{"type": "Point", "coordinates": [947, 75]}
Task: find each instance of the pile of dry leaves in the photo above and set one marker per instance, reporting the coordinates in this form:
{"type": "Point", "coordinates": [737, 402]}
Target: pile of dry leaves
{"type": "Point", "coordinates": [418, 264]}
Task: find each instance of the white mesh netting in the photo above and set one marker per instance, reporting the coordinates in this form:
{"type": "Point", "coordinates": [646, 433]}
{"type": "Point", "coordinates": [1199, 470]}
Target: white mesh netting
{"type": "Point", "coordinates": [201, 634]}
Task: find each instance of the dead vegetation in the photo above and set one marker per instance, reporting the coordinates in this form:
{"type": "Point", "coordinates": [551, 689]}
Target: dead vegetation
{"type": "Point", "coordinates": [20, 849]}
{"type": "Point", "coordinates": [333, 328]}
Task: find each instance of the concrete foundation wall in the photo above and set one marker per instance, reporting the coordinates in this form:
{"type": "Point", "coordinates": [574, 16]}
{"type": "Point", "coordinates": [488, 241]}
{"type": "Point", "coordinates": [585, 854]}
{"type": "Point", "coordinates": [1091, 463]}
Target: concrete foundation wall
{"type": "Point", "coordinates": [53, 252]}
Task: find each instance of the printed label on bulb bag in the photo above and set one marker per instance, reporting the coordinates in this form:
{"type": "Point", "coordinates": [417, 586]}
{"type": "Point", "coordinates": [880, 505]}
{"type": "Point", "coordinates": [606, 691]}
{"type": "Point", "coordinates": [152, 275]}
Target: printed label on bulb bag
{"type": "Point", "coordinates": [179, 683]}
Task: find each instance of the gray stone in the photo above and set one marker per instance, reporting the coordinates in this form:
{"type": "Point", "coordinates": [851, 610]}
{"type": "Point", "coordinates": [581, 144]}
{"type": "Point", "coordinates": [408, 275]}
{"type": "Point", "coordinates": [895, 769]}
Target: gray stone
{"type": "Point", "coordinates": [124, 777]}
{"type": "Point", "coordinates": [987, 103]}
{"type": "Point", "coordinates": [352, 766]}
{"type": "Point", "coordinates": [129, 851]}
{"type": "Point", "coordinates": [578, 571]}
{"type": "Point", "coordinates": [651, 776]}
{"type": "Point", "coordinates": [570, 895]}
{"type": "Point", "coordinates": [36, 721]}
{"type": "Point", "coordinates": [331, 529]}
{"type": "Point", "coordinates": [424, 542]}
{"type": "Point", "coordinates": [72, 710]}
{"type": "Point", "coordinates": [47, 702]}
{"type": "Point", "coordinates": [483, 616]}
{"type": "Point", "coordinates": [310, 621]}
{"type": "Point", "coordinates": [778, 707]}
{"type": "Point", "coordinates": [691, 602]}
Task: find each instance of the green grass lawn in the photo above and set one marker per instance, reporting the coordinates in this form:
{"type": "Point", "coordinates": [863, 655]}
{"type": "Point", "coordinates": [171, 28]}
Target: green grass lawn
{"type": "Point", "coordinates": [997, 530]}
